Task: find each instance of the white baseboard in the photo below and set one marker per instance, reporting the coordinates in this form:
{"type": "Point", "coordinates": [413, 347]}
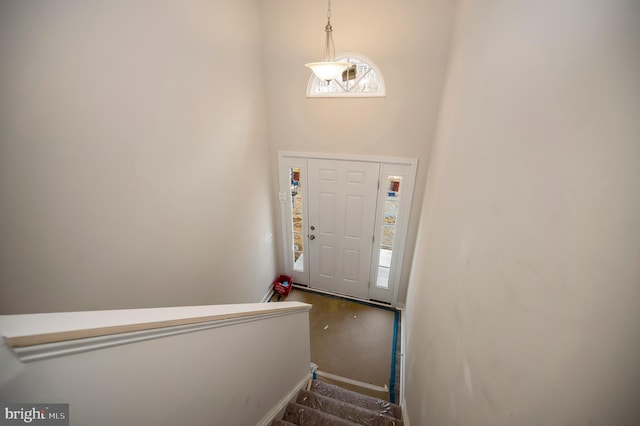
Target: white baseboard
{"type": "Point", "coordinates": [405, 413]}
{"type": "Point", "coordinates": [279, 408]}
{"type": "Point", "coordinates": [267, 295]}
{"type": "Point", "coordinates": [357, 383]}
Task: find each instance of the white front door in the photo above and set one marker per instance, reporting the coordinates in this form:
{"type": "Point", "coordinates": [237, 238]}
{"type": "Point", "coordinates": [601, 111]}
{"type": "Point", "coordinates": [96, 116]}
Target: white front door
{"type": "Point", "coordinates": [342, 212]}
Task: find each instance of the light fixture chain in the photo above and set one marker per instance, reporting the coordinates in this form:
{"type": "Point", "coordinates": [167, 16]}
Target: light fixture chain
{"type": "Point", "coordinates": [329, 47]}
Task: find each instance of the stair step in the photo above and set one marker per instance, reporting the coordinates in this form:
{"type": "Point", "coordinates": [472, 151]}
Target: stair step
{"type": "Point", "coordinates": [345, 410]}
{"type": "Point", "coordinates": [307, 416]}
{"type": "Point", "coordinates": [374, 404]}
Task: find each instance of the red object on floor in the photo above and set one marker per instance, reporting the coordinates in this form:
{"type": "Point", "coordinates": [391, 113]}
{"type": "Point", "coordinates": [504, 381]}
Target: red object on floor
{"type": "Point", "coordinates": [282, 285]}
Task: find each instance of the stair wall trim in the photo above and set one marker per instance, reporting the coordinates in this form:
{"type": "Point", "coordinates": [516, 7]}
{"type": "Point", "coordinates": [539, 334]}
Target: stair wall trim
{"type": "Point", "coordinates": [278, 409]}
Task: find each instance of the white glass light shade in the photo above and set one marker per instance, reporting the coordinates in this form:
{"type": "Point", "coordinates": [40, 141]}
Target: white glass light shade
{"type": "Point", "coordinates": [328, 70]}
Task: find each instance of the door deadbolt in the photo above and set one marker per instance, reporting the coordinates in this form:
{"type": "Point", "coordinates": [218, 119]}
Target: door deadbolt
{"type": "Point", "coordinates": [313, 228]}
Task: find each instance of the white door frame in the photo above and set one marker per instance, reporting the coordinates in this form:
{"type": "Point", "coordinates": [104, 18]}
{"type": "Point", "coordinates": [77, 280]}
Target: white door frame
{"type": "Point", "coordinates": [388, 165]}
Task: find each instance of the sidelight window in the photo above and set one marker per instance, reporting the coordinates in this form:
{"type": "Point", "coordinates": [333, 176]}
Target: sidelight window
{"type": "Point", "coordinates": [296, 219]}
{"type": "Point", "coordinates": [389, 220]}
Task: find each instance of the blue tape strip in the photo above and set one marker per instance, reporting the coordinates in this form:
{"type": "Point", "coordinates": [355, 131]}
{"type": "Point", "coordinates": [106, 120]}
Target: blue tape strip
{"type": "Point", "coordinates": [394, 345]}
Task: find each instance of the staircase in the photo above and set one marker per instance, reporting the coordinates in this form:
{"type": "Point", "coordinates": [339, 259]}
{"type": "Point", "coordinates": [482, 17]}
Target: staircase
{"type": "Point", "coordinates": [323, 404]}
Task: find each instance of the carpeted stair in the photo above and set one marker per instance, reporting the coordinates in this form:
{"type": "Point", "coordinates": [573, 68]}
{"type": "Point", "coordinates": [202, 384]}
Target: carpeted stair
{"type": "Point", "coordinates": [323, 404]}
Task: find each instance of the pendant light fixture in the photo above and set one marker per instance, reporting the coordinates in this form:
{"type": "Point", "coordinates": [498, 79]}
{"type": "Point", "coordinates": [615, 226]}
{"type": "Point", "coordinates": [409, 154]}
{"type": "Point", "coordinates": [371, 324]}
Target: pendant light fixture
{"type": "Point", "coordinates": [328, 69]}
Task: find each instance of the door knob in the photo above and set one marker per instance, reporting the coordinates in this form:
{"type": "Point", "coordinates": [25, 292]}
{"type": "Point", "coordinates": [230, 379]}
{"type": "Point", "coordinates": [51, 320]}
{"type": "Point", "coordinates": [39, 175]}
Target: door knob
{"type": "Point", "coordinates": [312, 237]}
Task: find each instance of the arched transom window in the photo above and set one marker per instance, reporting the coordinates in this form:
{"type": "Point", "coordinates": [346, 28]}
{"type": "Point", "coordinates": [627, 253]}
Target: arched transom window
{"type": "Point", "coordinates": [362, 79]}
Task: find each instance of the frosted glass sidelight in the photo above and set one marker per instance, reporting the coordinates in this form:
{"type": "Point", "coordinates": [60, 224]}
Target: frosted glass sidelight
{"type": "Point", "coordinates": [390, 216]}
{"type": "Point", "coordinates": [296, 219]}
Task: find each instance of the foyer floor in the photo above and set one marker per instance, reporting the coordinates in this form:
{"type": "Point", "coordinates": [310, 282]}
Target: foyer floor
{"type": "Point", "coordinates": [350, 339]}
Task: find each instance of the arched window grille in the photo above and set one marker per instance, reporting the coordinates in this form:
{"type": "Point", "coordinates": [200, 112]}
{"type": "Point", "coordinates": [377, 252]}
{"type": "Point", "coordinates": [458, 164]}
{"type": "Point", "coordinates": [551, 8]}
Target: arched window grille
{"type": "Point", "coordinates": [362, 79]}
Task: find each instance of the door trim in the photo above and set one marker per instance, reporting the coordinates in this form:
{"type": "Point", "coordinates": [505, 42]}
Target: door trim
{"type": "Point", "coordinates": [287, 159]}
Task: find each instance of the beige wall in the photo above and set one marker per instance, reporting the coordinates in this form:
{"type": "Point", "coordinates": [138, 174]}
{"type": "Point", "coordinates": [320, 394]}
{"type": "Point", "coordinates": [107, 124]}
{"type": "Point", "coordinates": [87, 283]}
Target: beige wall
{"type": "Point", "coordinates": [407, 39]}
{"type": "Point", "coordinates": [523, 299]}
{"type": "Point", "coordinates": [133, 152]}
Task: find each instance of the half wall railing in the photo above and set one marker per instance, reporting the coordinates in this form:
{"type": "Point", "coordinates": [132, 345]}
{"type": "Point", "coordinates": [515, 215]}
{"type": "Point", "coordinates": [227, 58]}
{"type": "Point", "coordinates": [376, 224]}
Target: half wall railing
{"type": "Point", "coordinates": [219, 364]}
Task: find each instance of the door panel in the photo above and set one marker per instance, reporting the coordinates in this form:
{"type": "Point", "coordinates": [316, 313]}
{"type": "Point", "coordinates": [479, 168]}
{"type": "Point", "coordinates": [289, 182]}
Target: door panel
{"type": "Point", "coordinates": [326, 218]}
{"type": "Point", "coordinates": [342, 207]}
{"type": "Point", "coordinates": [353, 225]}
{"type": "Point", "coordinates": [327, 262]}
